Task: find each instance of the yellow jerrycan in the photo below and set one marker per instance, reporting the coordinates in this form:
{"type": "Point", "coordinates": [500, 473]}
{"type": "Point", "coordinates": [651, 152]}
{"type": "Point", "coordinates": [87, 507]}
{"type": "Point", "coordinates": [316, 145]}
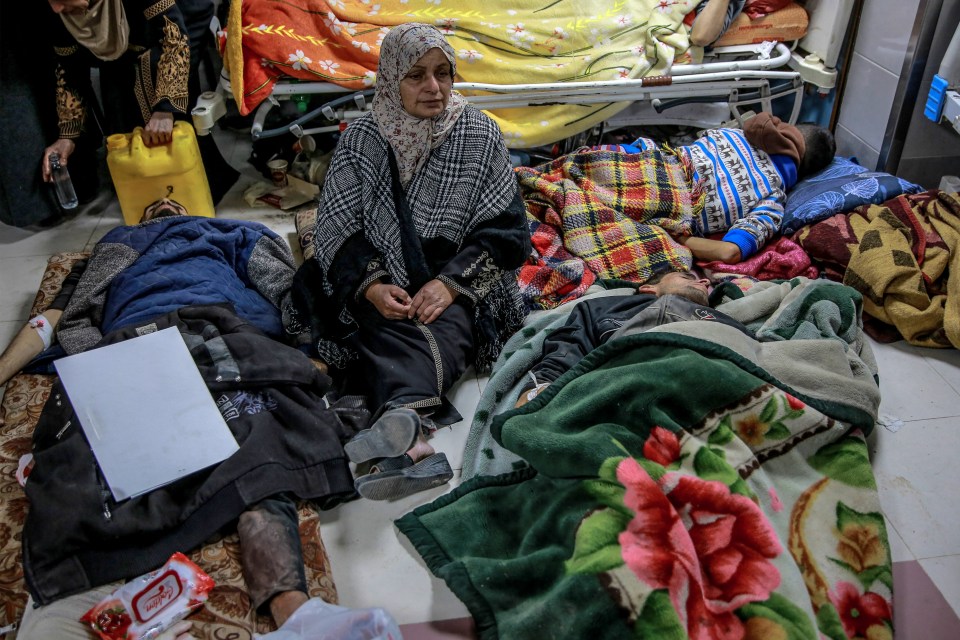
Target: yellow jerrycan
{"type": "Point", "coordinates": [142, 175]}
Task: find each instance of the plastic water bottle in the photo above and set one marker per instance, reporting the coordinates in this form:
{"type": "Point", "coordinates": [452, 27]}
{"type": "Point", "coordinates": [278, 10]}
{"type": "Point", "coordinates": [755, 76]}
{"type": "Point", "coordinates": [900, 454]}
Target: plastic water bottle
{"type": "Point", "coordinates": [62, 183]}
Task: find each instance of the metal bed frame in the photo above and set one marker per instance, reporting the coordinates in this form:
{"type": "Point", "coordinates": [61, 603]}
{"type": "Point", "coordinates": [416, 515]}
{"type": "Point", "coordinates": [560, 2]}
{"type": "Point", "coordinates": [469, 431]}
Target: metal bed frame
{"type": "Point", "coordinates": [730, 81]}
{"type": "Point", "coordinates": [703, 95]}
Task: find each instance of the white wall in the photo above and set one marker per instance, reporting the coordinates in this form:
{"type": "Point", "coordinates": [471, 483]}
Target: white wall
{"type": "Point", "coordinates": [873, 76]}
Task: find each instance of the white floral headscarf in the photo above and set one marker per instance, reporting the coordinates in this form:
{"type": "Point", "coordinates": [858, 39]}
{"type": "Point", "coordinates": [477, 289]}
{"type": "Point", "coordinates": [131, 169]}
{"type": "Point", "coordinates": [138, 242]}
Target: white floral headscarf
{"type": "Point", "coordinates": [412, 138]}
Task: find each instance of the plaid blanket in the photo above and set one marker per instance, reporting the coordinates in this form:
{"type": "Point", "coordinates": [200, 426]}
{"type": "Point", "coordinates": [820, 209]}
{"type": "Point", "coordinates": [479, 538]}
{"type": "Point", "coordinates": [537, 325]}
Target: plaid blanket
{"type": "Point", "coordinates": [899, 255]}
{"type": "Point", "coordinates": [604, 214]}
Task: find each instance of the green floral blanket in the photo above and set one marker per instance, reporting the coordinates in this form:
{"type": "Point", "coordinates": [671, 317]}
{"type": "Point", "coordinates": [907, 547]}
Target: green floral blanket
{"type": "Point", "coordinates": [688, 482]}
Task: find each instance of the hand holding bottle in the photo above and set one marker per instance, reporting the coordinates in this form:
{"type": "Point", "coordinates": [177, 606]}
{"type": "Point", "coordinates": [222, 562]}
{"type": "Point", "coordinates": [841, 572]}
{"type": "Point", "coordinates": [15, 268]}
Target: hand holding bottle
{"type": "Point", "coordinates": [55, 171]}
{"type": "Point", "coordinates": [64, 147]}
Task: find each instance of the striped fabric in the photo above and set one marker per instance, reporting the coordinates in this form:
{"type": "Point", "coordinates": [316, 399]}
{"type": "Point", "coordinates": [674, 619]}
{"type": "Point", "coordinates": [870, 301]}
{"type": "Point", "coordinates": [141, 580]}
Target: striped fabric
{"type": "Point", "coordinates": [744, 191]}
{"type": "Point", "coordinates": [604, 214]}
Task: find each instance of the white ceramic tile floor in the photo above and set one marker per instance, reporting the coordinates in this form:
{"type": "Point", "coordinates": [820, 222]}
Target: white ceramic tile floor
{"type": "Point", "coordinates": [911, 388]}
{"type": "Point", "coordinates": [945, 362]}
{"type": "Point", "coordinates": [374, 565]}
{"type": "Point", "coordinates": [71, 235]}
{"type": "Point", "coordinates": [899, 551]}
{"type": "Point", "coordinates": [21, 278]}
{"type": "Point", "coordinates": [917, 474]}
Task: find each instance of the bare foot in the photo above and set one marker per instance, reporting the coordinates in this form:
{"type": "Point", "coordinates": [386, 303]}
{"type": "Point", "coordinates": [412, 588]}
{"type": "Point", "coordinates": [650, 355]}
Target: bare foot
{"type": "Point", "coordinates": [284, 604]}
{"type": "Point", "coordinates": [420, 450]}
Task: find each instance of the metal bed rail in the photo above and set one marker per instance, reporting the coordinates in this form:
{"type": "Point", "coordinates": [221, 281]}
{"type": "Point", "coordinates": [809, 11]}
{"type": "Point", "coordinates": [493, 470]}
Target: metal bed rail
{"type": "Point", "coordinates": [729, 78]}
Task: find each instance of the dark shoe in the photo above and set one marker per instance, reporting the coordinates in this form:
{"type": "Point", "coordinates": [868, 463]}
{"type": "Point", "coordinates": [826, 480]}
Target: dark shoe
{"type": "Point", "coordinates": [393, 434]}
{"type": "Point", "coordinates": [384, 483]}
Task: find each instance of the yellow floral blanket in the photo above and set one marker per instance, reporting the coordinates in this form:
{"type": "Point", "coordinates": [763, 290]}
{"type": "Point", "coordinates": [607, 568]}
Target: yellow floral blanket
{"type": "Point", "coordinates": [497, 41]}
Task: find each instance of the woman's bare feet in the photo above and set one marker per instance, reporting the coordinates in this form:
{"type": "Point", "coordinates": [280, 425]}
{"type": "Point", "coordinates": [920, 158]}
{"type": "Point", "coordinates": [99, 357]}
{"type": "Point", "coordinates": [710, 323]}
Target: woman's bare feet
{"type": "Point", "coordinates": [420, 449]}
{"type": "Point", "coordinates": [284, 604]}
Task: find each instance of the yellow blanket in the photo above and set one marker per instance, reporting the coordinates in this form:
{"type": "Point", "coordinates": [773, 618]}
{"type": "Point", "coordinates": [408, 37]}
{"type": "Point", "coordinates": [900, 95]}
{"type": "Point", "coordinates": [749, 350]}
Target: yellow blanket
{"type": "Point", "coordinates": [906, 265]}
{"type": "Point", "coordinates": [497, 41]}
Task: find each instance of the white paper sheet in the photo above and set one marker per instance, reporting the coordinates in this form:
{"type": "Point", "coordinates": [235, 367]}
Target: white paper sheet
{"type": "Point", "coordinates": [146, 412]}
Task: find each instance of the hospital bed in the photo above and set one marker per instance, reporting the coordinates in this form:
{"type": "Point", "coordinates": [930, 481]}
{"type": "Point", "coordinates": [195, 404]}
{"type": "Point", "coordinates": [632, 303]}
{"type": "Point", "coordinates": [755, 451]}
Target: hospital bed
{"type": "Point", "coordinates": [728, 81]}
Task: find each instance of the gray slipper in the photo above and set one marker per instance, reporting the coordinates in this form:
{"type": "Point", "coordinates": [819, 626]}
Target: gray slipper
{"type": "Point", "coordinates": [394, 484]}
{"type": "Point", "coordinates": [393, 434]}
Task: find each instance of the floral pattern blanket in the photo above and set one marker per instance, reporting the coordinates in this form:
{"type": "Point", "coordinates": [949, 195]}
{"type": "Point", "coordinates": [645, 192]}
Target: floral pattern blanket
{"type": "Point", "coordinates": [685, 482]}
{"type": "Point", "coordinates": [498, 41]}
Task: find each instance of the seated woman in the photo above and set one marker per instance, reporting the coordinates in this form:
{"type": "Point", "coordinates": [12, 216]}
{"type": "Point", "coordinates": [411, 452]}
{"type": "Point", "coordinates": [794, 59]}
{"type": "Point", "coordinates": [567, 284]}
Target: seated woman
{"type": "Point", "coordinates": [420, 229]}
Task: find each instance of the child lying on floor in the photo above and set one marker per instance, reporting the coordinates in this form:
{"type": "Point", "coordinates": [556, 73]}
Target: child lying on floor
{"type": "Point", "coordinates": [745, 175]}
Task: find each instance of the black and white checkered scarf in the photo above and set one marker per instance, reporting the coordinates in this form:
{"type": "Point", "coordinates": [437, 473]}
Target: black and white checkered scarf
{"type": "Point", "coordinates": [467, 181]}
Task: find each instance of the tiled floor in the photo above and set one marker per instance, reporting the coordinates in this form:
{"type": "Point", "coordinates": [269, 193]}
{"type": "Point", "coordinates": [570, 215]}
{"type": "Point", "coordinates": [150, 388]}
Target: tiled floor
{"type": "Point", "coordinates": [915, 455]}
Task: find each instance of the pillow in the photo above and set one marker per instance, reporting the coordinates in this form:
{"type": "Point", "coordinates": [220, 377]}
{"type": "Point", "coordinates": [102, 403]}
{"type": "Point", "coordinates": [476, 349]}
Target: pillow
{"type": "Point", "coordinates": [843, 186]}
{"type": "Point", "coordinates": [787, 23]}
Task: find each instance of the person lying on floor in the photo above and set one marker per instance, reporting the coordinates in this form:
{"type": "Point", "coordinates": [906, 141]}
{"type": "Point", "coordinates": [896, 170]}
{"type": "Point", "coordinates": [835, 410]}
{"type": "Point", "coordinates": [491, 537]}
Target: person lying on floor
{"type": "Point", "coordinates": [172, 260]}
{"type": "Point", "coordinates": [419, 233]}
{"type": "Point", "coordinates": [139, 273]}
{"type": "Point", "coordinates": [168, 261]}
{"type": "Point", "coordinates": [675, 296]}
{"type": "Point", "coordinates": [745, 175]}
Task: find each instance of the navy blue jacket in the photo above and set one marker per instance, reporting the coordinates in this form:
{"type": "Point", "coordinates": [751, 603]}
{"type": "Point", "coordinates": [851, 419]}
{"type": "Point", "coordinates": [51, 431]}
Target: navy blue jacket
{"type": "Point", "coordinates": [141, 271]}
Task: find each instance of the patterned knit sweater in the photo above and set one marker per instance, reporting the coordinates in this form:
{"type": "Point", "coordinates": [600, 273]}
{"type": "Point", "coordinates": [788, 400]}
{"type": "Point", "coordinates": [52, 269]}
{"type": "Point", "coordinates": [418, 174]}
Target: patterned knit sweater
{"type": "Point", "coordinates": [745, 187]}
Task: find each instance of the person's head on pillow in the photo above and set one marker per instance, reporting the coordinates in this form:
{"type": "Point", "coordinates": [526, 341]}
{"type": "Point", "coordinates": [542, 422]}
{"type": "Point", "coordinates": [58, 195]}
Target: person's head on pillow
{"type": "Point", "coordinates": [820, 149]}
{"type": "Point", "coordinates": [811, 147]}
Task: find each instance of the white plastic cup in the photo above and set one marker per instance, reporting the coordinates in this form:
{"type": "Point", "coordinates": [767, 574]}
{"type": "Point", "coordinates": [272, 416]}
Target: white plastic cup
{"type": "Point", "coordinates": [950, 183]}
{"type": "Point", "coordinates": [305, 145]}
{"type": "Point", "coordinates": [278, 172]}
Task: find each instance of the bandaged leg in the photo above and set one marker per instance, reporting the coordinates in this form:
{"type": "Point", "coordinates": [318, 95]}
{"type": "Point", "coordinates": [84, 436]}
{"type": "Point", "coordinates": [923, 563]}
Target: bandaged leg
{"type": "Point", "coordinates": [32, 339]}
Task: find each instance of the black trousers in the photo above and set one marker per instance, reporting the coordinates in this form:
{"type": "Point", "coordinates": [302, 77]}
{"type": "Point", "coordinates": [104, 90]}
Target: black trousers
{"type": "Point", "coordinates": [405, 363]}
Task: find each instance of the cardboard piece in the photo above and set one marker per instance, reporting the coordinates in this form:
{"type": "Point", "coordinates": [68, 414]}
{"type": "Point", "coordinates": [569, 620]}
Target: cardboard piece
{"type": "Point", "coordinates": [146, 412]}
